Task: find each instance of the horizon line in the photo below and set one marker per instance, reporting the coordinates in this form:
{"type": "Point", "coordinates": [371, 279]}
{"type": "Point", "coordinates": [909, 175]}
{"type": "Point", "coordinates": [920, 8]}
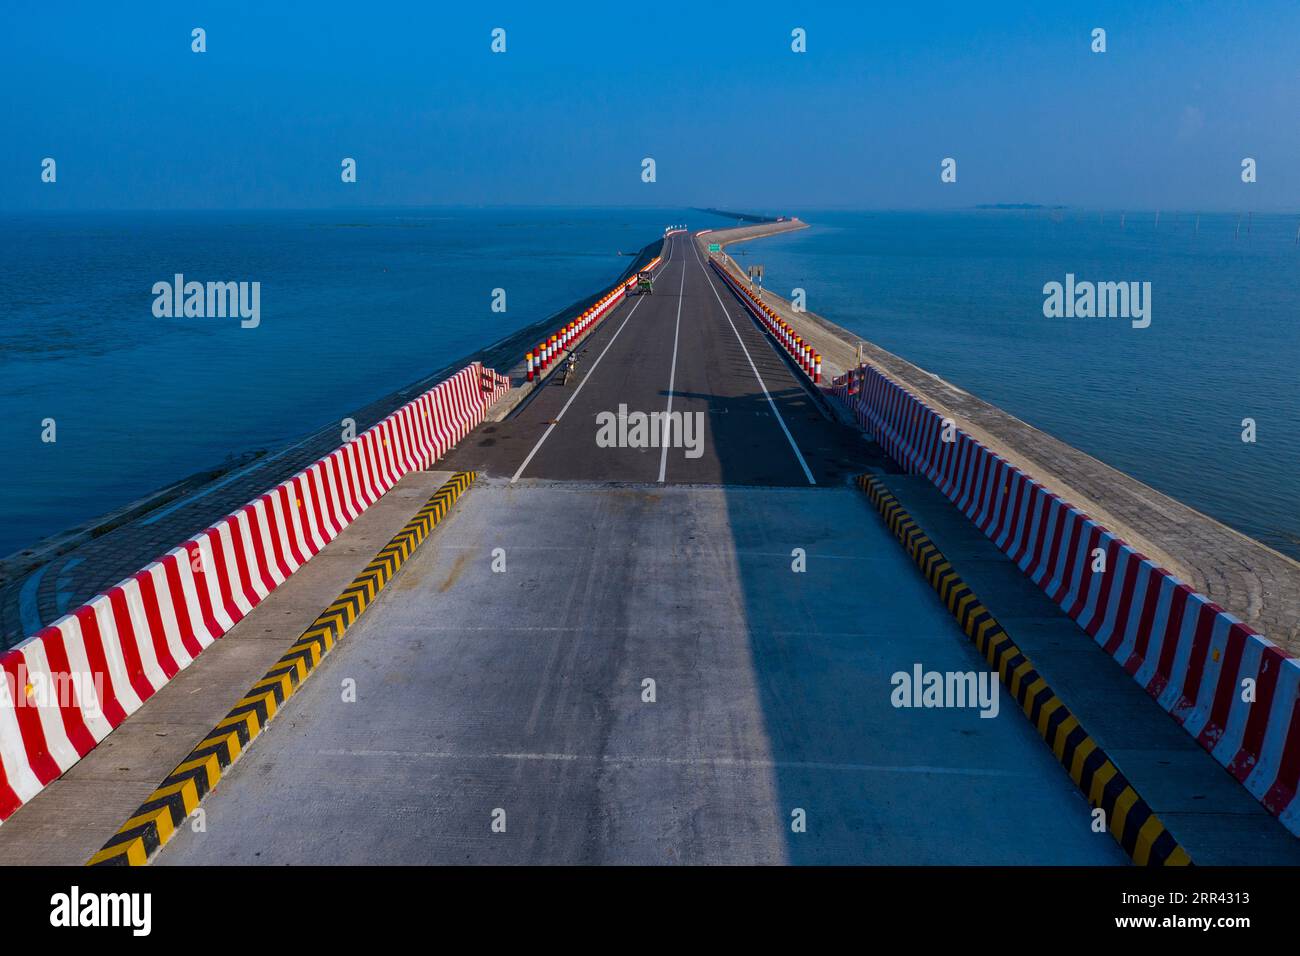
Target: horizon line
{"type": "Point", "coordinates": [750, 210]}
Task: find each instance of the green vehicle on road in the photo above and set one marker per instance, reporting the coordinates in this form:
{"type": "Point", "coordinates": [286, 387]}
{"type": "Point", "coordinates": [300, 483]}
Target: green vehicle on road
{"type": "Point", "coordinates": [644, 284]}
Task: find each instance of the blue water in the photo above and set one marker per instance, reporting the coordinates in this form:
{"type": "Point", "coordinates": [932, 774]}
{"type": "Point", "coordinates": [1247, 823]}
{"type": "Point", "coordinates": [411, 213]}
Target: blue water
{"type": "Point", "coordinates": [353, 306]}
{"type": "Point", "coordinates": [961, 294]}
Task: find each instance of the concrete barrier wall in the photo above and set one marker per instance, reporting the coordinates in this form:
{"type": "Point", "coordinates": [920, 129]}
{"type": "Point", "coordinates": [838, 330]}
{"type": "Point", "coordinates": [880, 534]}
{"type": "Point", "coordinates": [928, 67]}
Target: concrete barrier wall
{"type": "Point", "coordinates": [541, 360]}
{"type": "Point", "coordinates": [67, 687]}
{"type": "Point", "coordinates": [805, 357]}
{"type": "Point", "coordinates": [1190, 655]}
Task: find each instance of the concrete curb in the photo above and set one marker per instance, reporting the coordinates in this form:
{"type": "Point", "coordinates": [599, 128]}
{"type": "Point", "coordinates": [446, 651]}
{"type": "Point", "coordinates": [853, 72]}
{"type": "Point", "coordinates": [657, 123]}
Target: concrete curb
{"type": "Point", "coordinates": [68, 687]}
{"type": "Point", "coordinates": [166, 809]}
{"type": "Point", "coordinates": [1129, 818]}
{"type": "Point", "coordinates": [1190, 655]}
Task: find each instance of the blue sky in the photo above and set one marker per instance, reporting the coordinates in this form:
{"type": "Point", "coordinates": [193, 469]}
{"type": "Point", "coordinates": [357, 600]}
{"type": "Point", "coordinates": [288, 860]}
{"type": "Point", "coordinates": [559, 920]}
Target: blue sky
{"type": "Point", "coordinates": [711, 90]}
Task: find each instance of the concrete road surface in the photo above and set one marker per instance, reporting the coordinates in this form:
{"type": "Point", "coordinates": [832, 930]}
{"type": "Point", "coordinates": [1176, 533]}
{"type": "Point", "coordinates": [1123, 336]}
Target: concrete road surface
{"type": "Point", "coordinates": [519, 696]}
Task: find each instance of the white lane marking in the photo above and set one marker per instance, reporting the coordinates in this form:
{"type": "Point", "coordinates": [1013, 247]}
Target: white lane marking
{"type": "Point", "coordinates": [743, 763]}
{"type": "Point", "coordinates": [790, 438]}
{"type": "Point", "coordinates": [591, 371]}
{"type": "Point", "coordinates": [672, 379]}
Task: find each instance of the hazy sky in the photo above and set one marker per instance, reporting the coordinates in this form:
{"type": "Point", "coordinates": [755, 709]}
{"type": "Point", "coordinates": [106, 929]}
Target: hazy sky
{"type": "Point", "coordinates": [710, 90]}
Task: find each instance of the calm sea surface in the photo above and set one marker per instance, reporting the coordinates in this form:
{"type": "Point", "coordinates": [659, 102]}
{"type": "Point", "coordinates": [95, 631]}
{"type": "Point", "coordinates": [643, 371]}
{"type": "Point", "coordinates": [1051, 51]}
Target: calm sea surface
{"type": "Point", "coordinates": [961, 294]}
{"type": "Point", "coordinates": [354, 305]}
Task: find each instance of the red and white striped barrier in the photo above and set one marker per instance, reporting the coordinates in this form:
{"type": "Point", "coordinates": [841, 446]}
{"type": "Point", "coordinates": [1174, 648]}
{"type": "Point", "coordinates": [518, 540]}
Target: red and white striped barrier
{"type": "Point", "coordinates": [804, 355]}
{"type": "Point", "coordinates": [66, 688]}
{"type": "Point", "coordinates": [1198, 661]}
{"type": "Point", "coordinates": [541, 358]}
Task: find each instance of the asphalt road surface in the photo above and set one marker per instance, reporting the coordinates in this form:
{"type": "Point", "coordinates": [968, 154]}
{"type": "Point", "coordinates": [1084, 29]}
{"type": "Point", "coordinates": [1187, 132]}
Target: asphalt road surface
{"type": "Point", "coordinates": [689, 348]}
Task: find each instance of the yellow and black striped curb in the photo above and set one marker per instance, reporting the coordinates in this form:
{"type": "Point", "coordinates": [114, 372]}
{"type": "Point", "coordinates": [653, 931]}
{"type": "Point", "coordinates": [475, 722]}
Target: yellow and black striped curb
{"type": "Point", "coordinates": [159, 817]}
{"type": "Point", "coordinates": [1132, 822]}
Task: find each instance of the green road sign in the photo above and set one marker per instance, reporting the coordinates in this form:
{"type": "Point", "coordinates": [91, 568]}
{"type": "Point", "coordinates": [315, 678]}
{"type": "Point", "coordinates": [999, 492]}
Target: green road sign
{"type": "Point", "coordinates": [715, 247]}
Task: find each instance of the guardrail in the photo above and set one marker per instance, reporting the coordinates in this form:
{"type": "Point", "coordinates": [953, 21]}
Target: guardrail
{"type": "Point", "coordinates": [544, 356]}
{"type": "Point", "coordinates": [1232, 689]}
{"type": "Point", "coordinates": [66, 688]}
{"type": "Point", "coordinates": [804, 355]}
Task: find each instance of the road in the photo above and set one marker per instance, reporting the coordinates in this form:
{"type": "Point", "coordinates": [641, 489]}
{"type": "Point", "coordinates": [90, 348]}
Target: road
{"type": "Point", "coordinates": [524, 692]}
{"type": "Point", "coordinates": [688, 348]}
{"type": "Point", "coordinates": [640, 655]}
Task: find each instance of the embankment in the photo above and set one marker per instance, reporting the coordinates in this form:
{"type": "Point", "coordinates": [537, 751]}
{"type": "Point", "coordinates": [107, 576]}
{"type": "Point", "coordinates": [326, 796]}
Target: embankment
{"type": "Point", "coordinates": [1107, 549]}
{"type": "Point", "coordinates": [1254, 582]}
{"type": "Point", "coordinates": [739, 216]}
{"type": "Point", "coordinates": [41, 583]}
{"type": "Point", "coordinates": [72, 683]}
{"type": "Point", "coordinates": [66, 688]}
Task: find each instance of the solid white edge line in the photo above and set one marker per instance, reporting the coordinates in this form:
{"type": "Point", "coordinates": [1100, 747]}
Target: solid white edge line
{"type": "Point", "coordinates": [550, 428]}
{"type": "Point", "coordinates": [761, 384]}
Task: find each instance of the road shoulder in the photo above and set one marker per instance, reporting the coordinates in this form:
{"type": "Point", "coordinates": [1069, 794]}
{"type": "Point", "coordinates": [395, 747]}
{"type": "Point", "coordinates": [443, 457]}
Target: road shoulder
{"type": "Point", "coordinates": [70, 820]}
{"type": "Point", "coordinates": [1213, 816]}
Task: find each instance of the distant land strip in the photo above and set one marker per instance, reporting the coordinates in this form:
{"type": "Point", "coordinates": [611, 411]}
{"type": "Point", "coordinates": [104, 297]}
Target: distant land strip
{"type": "Point", "coordinates": [740, 216]}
